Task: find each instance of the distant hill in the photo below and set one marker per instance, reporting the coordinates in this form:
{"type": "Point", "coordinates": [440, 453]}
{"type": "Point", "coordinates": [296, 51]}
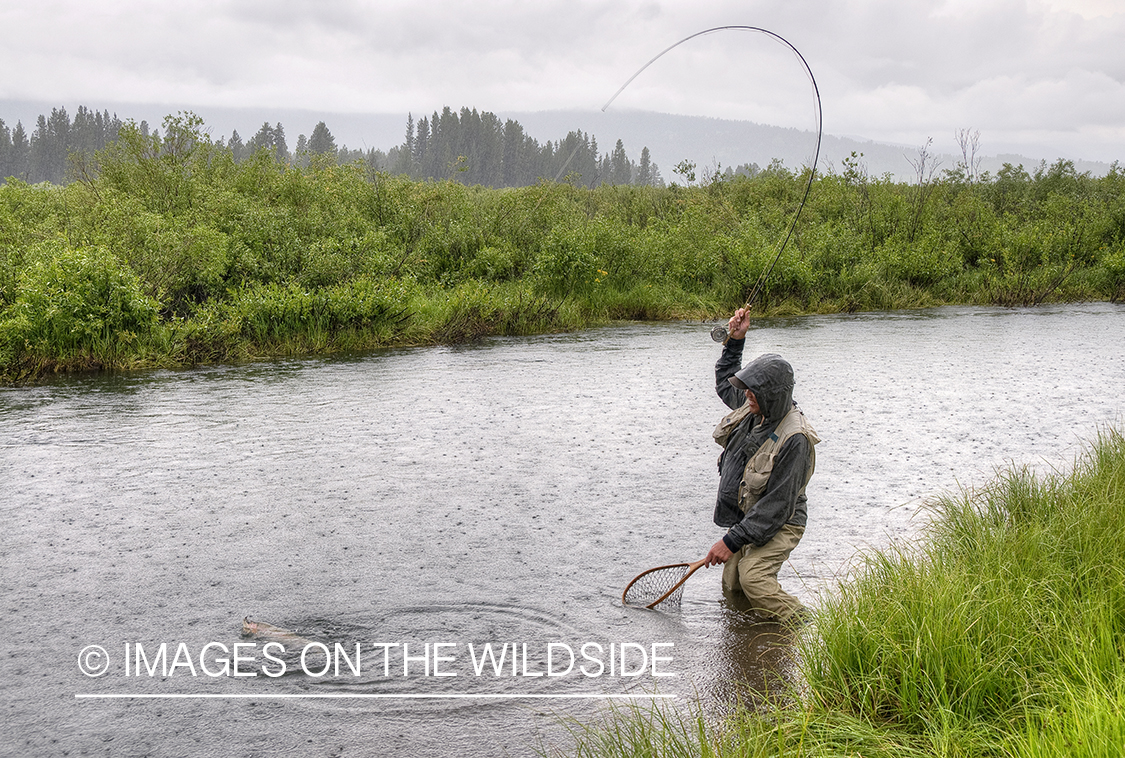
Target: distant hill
{"type": "Point", "coordinates": [707, 141]}
{"type": "Point", "coordinates": [671, 139]}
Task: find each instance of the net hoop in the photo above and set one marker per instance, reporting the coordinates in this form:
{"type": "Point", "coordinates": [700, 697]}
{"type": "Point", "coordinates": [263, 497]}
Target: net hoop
{"type": "Point", "coordinates": [690, 568]}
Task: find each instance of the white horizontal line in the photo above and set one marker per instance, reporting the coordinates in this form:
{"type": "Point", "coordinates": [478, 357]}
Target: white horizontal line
{"type": "Point", "coordinates": [386, 696]}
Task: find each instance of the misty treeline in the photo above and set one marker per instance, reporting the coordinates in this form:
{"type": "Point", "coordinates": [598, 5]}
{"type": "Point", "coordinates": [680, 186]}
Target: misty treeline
{"type": "Point", "coordinates": [479, 148]}
{"type": "Point", "coordinates": [167, 251]}
{"type": "Point", "coordinates": [467, 147]}
{"type": "Point", "coordinates": [57, 146]}
{"type": "Point", "coordinates": [42, 156]}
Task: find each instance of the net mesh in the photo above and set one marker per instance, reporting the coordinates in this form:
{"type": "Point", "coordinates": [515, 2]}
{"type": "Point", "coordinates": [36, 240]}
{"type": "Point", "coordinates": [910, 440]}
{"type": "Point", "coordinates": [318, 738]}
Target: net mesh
{"type": "Point", "coordinates": [651, 585]}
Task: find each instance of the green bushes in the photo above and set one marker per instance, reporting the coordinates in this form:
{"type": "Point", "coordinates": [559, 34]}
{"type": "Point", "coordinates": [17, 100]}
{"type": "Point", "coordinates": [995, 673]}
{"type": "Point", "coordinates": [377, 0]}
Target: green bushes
{"type": "Point", "coordinates": [1112, 266]}
{"type": "Point", "coordinates": [199, 231]}
{"type": "Point", "coordinates": [74, 306]}
{"type": "Point", "coordinates": [566, 264]}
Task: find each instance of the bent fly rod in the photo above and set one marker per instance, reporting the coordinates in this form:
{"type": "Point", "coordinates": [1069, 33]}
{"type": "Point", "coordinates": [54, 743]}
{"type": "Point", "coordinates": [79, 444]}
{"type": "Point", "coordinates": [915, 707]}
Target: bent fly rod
{"type": "Point", "coordinates": [719, 333]}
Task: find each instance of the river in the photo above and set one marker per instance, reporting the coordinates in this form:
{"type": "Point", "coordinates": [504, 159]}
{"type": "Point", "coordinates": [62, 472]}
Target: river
{"type": "Point", "coordinates": [413, 506]}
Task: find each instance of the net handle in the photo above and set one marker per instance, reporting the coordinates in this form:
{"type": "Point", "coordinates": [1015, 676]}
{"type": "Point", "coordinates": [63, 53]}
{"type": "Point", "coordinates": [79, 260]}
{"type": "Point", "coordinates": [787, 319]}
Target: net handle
{"type": "Point", "coordinates": [692, 568]}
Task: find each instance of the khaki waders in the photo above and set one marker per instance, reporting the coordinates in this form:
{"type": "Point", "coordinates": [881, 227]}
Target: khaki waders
{"type": "Point", "coordinates": [753, 571]}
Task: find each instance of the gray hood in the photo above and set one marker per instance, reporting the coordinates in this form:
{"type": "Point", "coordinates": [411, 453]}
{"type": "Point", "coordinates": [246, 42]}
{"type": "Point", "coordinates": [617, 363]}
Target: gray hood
{"type": "Point", "coordinates": [770, 378]}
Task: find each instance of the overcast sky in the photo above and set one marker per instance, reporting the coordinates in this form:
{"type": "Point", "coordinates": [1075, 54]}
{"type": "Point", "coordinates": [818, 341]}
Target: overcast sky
{"type": "Point", "coordinates": [1047, 75]}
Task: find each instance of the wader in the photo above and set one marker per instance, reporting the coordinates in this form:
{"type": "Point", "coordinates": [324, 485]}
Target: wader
{"type": "Point", "coordinates": [753, 569]}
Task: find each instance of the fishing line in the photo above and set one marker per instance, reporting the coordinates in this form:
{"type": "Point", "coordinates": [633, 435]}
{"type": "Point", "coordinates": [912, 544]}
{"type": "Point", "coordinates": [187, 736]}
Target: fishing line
{"type": "Point", "coordinates": [719, 333]}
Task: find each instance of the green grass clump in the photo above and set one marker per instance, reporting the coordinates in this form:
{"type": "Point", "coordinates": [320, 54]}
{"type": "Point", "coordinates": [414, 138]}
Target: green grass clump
{"type": "Point", "coordinates": [1001, 633]}
{"type": "Point", "coordinates": [652, 730]}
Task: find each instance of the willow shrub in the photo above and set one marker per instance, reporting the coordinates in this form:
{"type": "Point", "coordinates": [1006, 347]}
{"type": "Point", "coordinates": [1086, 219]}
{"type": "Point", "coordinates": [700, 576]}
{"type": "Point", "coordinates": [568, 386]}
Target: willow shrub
{"type": "Point", "coordinates": [32, 216]}
{"type": "Point", "coordinates": [567, 264]}
{"type": "Point", "coordinates": [1113, 272]}
{"type": "Point", "coordinates": [75, 305]}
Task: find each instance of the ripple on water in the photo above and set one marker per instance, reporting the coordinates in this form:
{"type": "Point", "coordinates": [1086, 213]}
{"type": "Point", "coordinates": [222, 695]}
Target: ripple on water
{"type": "Point", "coordinates": [501, 493]}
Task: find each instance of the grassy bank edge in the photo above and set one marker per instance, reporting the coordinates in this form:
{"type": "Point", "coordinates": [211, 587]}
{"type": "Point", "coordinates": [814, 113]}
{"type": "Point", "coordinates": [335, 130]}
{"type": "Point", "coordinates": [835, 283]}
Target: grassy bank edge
{"type": "Point", "coordinates": [1000, 633]}
{"type": "Point", "coordinates": [468, 313]}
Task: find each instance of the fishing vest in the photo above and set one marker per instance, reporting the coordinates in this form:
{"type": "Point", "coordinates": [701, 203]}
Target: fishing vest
{"type": "Point", "coordinates": [757, 472]}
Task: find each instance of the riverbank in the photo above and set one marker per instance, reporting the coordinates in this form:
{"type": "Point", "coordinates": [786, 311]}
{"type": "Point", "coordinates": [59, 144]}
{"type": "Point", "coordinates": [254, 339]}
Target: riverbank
{"type": "Point", "coordinates": [166, 252]}
{"type": "Point", "coordinates": [1000, 633]}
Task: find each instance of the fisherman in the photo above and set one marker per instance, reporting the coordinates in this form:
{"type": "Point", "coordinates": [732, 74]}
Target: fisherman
{"type": "Point", "coordinates": [767, 460]}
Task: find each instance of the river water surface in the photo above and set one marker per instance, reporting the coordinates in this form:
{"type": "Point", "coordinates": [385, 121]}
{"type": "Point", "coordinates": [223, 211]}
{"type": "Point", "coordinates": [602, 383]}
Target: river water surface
{"type": "Point", "coordinates": [416, 505]}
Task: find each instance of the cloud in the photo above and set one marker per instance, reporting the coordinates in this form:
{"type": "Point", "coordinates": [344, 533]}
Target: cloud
{"type": "Point", "coordinates": [887, 69]}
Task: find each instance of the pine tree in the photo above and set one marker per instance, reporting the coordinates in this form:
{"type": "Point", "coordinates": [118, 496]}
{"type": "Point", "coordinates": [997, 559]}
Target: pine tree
{"type": "Point", "coordinates": [491, 157]}
{"type": "Point", "coordinates": [21, 153]}
{"type": "Point", "coordinates": [644, 170]}
{"type": "Point", "coordinates": [620, 167]}
{"type": "Point", "coordinates": [512, 155]}
{"type": "Point", "coordinates": [5, 151]}
{"type": "Point", "coordinates": [263, 140]}
{"type": "Point", "coordinates": [84, 132]}
{"type": "Point", "coordinates": [421, 140]}
{"type": "Point", "coordinates": [596, 174]}
{"type": "Point", "coordinates": [49, 145]}
{"type": "Point", "coordinates": [236, 146]}
{"type": "Point", "coordinates": [321, 141]}
{"type": "Point", "coordinates": [410, 144]}
{"type": "Point", "coordinates": [301, 152]}
{"type": "Point", "coordinates": [280, 149]}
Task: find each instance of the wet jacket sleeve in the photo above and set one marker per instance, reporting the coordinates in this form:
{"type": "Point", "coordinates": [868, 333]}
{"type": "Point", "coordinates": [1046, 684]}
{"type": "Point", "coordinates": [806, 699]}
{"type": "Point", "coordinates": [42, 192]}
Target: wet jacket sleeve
{"type": "Point", "coordinates": [778, 503]}
{"type": "Point", "coordinates": [727, 366]}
